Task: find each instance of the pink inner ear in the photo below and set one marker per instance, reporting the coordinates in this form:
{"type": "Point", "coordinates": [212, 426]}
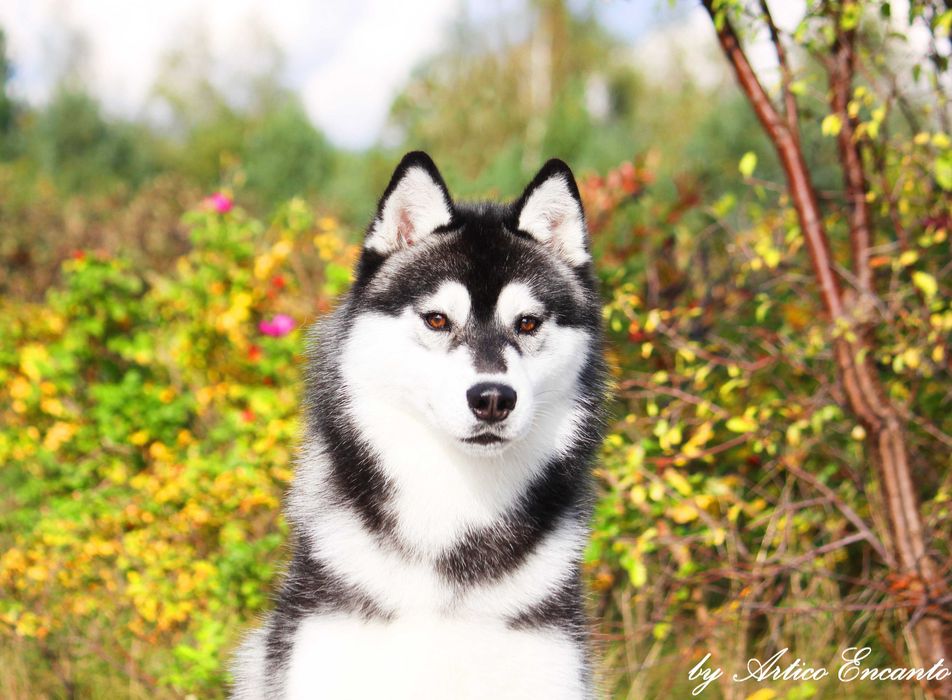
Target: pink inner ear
{"type": "Point", "coordinates": [553, 221]}
{"type": "Point", "coordinates": [405, 228]}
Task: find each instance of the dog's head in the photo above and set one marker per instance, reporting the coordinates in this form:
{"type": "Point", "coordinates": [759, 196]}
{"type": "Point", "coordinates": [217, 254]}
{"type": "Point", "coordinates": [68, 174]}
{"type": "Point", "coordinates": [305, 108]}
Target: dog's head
{"type": "Point", "coordinates": [479, 320]}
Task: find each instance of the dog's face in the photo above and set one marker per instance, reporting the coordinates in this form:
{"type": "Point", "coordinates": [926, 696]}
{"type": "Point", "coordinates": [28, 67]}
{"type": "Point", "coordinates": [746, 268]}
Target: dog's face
{"type": "Point", "coordinates": [478, 320]}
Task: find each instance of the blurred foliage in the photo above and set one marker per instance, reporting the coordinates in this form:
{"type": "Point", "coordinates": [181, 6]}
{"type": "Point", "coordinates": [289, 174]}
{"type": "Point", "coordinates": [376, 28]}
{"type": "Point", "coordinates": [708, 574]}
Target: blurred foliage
{"type": "Point", "coordinates": [733, 472]}
{"type": "Point", "coordinates": [7, 105]}
{"type": "Point", "coordinates": [148, 416]}
{"type": "Point", "coordinates": [147, 425]}
{"type": "Point", "coordinates": [85, 152]}
{"type": "Point", "coordinates": [42, 227]}
{"type": "Point", "coordinates": [569, 89]}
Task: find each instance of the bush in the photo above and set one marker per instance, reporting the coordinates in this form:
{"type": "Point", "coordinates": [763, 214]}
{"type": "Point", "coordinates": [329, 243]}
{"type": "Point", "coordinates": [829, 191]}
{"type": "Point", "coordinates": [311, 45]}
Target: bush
{"type": "Point", "coordinates": [149, 413]}
{"type": "Point", "coordinates": [148, 422]}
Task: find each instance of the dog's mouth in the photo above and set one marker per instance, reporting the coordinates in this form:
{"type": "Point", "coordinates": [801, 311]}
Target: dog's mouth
{"type": "Point", "coordinates": [484, 439]}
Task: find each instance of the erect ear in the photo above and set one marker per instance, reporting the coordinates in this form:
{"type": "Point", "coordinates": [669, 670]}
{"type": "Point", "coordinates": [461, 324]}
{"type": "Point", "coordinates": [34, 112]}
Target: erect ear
{"type": "Point", "coordinates": [415, 203]}
{"type": "Point", "coordinates": [550, 210]}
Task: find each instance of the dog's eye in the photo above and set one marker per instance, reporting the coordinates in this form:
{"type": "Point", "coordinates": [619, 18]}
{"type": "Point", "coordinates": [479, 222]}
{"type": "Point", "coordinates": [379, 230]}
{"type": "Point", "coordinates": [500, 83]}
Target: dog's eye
{"type": "Point", "coordinates": [437, 321]}
{"type": "Point", "coordinates": [528, 325]}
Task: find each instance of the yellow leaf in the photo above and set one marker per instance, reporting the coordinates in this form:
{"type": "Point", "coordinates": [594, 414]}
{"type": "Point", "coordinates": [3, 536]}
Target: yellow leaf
{"type": "Point", "coordinates": [32, 359]}
{"type": "Point", "coordinates": [678, 481]}
{"type": "Point", "coordinates": [831, 125]}
{"type": "Point", "coordinates": [53, 407]}
{"type": "Point", "coordinates": [908, 258]}
{"type": "Point", "coordinates": [748, 163]}
{"type": "Point", "coordinates": [638, 573]}
{"type": "Point", "coordinates": [741, 424]}
{"type": "Point", "coordinates": [20, 388]}
{"type": "Point", "coordinates": [912, 358]}
{"type": "Point", "coordinates": [672, 436]}
{"type": "Point", "coordinates": [140, 437]}
{"type": "Point", "coordinates": [652, 321]}
{"type": "Point", "coordinates": [925, 283]}
{"type": "Point", "coordinates": [793, 435]}
{"type": "Point", "coordinates": [683, 513]}
{"type": "Point", "coordinates": [762, 694]}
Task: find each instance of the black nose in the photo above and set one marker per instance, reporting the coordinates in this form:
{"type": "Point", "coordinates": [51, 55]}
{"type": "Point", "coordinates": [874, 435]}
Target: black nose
{"type": "Point", "coordinates": [491, 402]}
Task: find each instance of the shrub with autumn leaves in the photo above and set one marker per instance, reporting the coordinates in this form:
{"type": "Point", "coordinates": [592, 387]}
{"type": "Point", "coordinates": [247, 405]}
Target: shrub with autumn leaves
{"type": "Point", "coordinates": [149, 419]}
{"type": "Point", "coordinates": [147, 426]}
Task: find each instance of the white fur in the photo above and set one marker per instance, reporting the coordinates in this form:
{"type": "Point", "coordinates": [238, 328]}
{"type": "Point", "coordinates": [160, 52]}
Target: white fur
{"type": "Point", "coordinates": [451, 299]}
{"type": "Point", "coordinates": [544, 571]}
{"type": "Point", "coordinates": [248, 667]}
{"type": "Point", "coordinates": [407, 397]}
{"type": "Point", "coordinates": [432, 658]}
{"type": "Point", "coordinates": [516, 300]}
{"type": "Point", "coordinates": [552, 216]}
{"type": "Point", "coordinates": [398, 583]}
{"type": "Point", "coordinates": [413, 210]}
{"type": "Point", "coordinates": [339, 539]}
{"type": "Point", "coordinates": [409, 400]}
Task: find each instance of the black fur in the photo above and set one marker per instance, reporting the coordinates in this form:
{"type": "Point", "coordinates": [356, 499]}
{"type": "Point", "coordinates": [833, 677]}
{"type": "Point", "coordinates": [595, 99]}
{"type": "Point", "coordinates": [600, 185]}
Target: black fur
{"type": "Point", "coordinates": [562, 610]}
{"type": "Point", "coordinates": [310, 588]}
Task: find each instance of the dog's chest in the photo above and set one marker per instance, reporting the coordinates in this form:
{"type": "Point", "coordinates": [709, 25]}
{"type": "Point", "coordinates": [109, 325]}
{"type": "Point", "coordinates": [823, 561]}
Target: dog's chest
{"type": "Point", "coordinates": [430, 656]}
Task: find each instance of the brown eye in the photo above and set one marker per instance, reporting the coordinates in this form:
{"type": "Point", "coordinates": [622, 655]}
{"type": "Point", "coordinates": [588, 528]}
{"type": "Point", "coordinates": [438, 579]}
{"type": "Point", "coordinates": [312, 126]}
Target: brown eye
{"type": "Point", "coordinates": [437, 321]}
{"type": "Point", "coordinates": [528, 324]}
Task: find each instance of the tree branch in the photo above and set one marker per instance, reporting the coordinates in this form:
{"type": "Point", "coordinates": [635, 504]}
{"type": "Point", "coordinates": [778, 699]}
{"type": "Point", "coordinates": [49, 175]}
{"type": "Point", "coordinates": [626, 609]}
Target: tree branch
{"type": "Point", "coordinates": [848, 512]}
{"type": "Point", "coordinates": [801, 187]}
{"type": "Point", "coordinates": [786, 75]}
{"type": "Point", "coordinates": [840, 73]}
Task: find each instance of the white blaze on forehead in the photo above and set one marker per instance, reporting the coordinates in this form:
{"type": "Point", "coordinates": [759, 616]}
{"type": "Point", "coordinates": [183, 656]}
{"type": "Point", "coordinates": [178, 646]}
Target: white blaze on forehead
{"type": "Point", "coordinates": [452, 299]}
{"type": "Point", "coordinates": [515, 300]}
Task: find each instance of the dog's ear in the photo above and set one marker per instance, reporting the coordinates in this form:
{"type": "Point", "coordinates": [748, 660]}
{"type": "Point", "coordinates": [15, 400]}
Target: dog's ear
{"type": "Point", "coordinates": [550, 210]}
{"type": "Point", "coordinates": [415, 203]}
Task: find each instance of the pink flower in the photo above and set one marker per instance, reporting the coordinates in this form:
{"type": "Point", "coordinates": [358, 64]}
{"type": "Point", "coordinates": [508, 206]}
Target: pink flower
{"type": "Point", "coordinates": [220, 202]}
{"type": "Point", "coordinates": [278, 326]}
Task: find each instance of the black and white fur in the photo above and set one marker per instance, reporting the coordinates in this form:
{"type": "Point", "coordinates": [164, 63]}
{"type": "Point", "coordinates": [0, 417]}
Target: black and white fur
{"type": "Point", "coordinates": [437, 555]}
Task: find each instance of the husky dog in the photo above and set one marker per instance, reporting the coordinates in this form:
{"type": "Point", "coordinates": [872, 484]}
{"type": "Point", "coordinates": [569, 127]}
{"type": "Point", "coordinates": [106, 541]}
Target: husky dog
{"type": "Point", "coordinates": [440, 504]}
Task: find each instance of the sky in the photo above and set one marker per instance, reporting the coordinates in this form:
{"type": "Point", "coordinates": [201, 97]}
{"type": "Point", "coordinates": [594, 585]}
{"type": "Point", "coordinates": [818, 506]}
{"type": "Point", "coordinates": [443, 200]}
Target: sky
{"type": "Point", "coordinates": [346, 59]}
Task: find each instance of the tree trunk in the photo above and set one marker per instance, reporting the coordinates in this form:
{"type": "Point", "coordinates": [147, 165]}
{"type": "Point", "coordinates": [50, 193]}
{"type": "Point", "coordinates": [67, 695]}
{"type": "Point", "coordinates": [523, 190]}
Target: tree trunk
{"type": "Point", "coordinates": [853, 342]}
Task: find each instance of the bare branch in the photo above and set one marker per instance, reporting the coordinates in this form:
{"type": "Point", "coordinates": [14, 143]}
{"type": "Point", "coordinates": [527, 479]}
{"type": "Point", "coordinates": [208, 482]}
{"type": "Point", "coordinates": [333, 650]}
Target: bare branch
{"type": "Point", "coordinates": [786, 75]}
{"type": "Point", "coordinates": [840, 74]}
{"type": "Point", "coordinates": [791, 157]}
{"type": "Point", "coordinates": [847, 512]}
{"type": "Point", "coordinates": [700, 454]}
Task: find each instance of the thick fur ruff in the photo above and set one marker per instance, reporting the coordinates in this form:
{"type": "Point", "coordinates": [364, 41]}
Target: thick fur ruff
{"type": "Point", "coordinates": [437, 554]}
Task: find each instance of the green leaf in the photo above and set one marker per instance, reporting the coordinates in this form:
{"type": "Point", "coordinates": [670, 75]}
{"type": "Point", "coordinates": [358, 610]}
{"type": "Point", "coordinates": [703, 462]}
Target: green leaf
{"type": "Point", "coordinates": [849, 19]}
{"type": "Point", "coordinates": [748, 163]}
{"type": "Point", "coordinates": [943, 171]}
{"type": "Point", "coordinates": [637, 571]}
